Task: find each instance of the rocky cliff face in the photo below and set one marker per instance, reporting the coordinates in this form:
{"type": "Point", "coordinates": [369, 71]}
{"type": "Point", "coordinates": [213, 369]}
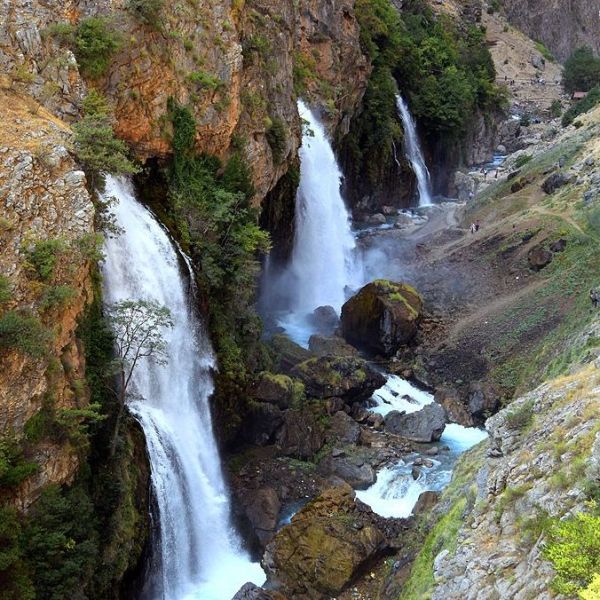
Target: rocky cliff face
{"type": "Point", "coordinates": [43, 198]}
{"type": "Point", "coordinates": [562, 26]}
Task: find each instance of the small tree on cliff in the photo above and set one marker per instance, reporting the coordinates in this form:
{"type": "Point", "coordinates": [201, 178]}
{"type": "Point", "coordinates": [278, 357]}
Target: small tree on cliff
{"type": "Point", "coordinates": [138, 327]}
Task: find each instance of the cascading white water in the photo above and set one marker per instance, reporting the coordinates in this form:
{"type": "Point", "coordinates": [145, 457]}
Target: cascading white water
{"type": "Point", "coordinates": [323, 261]}
{"type": "Point", "coordinates": [199, 552]}
{"type": "Point", "coordinates": [396, 491]}
{"type": "Point", "coordinates": [414, 153]}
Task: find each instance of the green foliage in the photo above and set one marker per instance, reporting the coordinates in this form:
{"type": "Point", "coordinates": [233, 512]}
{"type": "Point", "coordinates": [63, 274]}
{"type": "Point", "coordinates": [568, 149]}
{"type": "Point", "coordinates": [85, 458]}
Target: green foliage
{"type": "Point", "coordinates": [96, 146]}
{"type": "Point", "coordinates": [15, 583]}
{"type": "Point", "coordinates": [582, 71]}
{"type": "Point", "coordinates": [14, 468]}
{"type": "Point", "coordinates": [57, 296]}
{"type": "Point", "coordinates": [304, 71]}
{"type": "Point", "coordinates": [521, 416]}
{"type": "Point", "coordinates": [277, 138]}
{"type": "Point", "coordinates": [95, 42]}
{"type": "Point", "coordinates": [43, 256]}
{"type": "Point", "coordinates": [60, 543]}
{"type": "Point", "coordinates": [583, 106]}
{"type": "Point", "coordinates": [556, 109]}
{"type": "Point", "coordinates": [205, 80]}
{"type": "Point", "coordinates": [573, 547]}
{"type": "Point", "coordinates": [543, 50]}
{"type": "Point", "coordinates": [5, 289]}
{"type": "Point", "coordinates": [147, 11]}
{"type": "Point", "coordinates": [522, 160]}
{"type": "Point", "coordinates": [24, 333]}
{"type": "Point", "coordinates": [592, 592]}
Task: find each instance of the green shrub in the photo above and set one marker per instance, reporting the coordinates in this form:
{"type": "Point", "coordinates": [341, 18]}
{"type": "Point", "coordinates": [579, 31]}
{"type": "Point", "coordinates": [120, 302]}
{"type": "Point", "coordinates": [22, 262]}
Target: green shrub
{"type": "Point", "coordinates": [582, 71]}
{"type": "Point", "coordinates": [573, 547]}
{"type": "Point", "coordinates": [56, 296]}
{"type": "Point", "coordinates": [521, 416]}
{"type": "Point", "coordinates": [5, 289]}
{"type": "Point", "coordinates": [43, 257]}
{"type": "Point", "coordinates": [95, 143]}
{"type": "Point", "coordinates": [522, 160]}
{"type": "Point", "coordinates": [543, 50]}
{"type": "Point", "coordinates": [96, 40]}
{"type": "Point", "coordinates": [556, 109]}
{"type": "Point", "coordinates": [583, 106]}
{"type": "Point", "coordinates": [15, 583]}
{"type": "Point", "coordinates": [277, 138]}
{"type": "Point", "coordinates": [23, 333]}
{"type": "Point", "coordinates": [205, 80]}
{"type": "Point", "coordinates": [13, 467]}
{"type": "Point", "coordinates": [147, 11]}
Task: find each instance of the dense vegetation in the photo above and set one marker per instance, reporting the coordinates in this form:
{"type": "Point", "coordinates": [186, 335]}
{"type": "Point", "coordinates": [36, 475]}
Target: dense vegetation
{"type": "Point", "coordinates": [582, 71]}
{"type": "Point", "coordinates": [446, 74]}
{"type": "Point", "coordinates": [215, 219]}
{"type": "Point", "coordinates": [583, 106]}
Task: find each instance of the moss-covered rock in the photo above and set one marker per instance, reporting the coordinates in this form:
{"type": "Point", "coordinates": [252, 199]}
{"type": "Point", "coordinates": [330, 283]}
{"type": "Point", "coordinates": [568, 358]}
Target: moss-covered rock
{"type": "Point", "coordinates": [287, 353]}
{"type": "Point", "coordinates": [323, 548]}
{"type": "Point", "coordinates": [346, 377]}
{"type": "Point", "coordinates": [383, 316]}
{"type": "Point", "coordinates": [278, 389]}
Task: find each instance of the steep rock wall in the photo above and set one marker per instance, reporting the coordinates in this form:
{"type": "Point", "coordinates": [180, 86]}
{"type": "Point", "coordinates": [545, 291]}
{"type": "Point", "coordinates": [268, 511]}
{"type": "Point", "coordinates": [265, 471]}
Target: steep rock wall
{"type": "Point", "coordinates": [562, 26]}
{"type": "Point", "coordinates": [42, 197]}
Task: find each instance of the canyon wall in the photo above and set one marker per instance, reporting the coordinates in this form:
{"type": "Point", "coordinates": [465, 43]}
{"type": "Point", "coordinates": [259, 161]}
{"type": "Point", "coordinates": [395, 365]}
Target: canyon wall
{"type": "Point", "coordinates": [561, 26]}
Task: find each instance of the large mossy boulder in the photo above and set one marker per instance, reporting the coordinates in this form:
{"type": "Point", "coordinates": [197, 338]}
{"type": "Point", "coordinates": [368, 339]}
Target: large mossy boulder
{"type": "Point", "coordinates": [347, 377]}
{"type": "Point", "coordinates": [277, 389]}
{"type": "Point", "coordinates": [324, 547]}
{"type": "Point", "coordinates": [287, 353]}
{"type": "Point", "coordinates": [383, 316]}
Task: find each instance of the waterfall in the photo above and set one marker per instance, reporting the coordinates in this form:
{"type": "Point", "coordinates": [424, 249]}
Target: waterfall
{"type": "Point", "coordinates": [323, 262]}
{"type": "Point", "coordinates": [198, 553]}
{"type": "Point", "coordinates": [414, 152]}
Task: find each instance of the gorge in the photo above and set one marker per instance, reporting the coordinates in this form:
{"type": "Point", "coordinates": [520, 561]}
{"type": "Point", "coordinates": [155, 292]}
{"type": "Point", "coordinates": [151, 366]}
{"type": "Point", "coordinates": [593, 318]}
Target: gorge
{"type": "Point", "coordinates": [299, 300]}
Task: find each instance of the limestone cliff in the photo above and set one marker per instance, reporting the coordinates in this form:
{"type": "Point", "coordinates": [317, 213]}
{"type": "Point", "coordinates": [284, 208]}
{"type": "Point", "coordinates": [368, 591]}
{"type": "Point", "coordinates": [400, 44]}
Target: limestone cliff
{"type": "Point", "coordinates": [562, 26]}
{"type": "Point", "coordinates": [43, 199]}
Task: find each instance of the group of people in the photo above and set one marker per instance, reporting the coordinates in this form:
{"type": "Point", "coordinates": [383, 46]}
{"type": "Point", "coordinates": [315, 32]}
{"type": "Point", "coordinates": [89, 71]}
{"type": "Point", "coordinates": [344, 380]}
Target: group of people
{"type": "Point", "coordinates": [475, 228]}
{"type": "Point", "coordinates": [485, 173]}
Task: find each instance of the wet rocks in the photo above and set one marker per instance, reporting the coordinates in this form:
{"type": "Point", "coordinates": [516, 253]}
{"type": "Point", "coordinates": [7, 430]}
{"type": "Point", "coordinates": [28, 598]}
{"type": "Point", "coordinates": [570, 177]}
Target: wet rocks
{"type": "Point", "coordinates": [280, 390]}
{"type": "Point", "coordinates": [322, 345]}
{"type": "Point", "coordinates": [383, 316]}
{"type": "Point", "coordinates": [349, 378]}
{"type": "Point", "coordinates": [262, 511]}
{"type": "Point", "coordinates": [325, 319]}
{"type": "Point", "coordinates": [425, 425]}
{"type": "Point", "coordinates": [324, 547]}
{"type": "Point", "coordinates": [287, 353]}
{"type": "Point", "coordinates": [343, 428]}
{"type": "Point", "coordinates": [454, 405]}
{"type": "Point", "coordinates": [353, 470]}
{"type": "Point", "coordinates": [249, 591]}
{"type": "Point", "coordinates": [539, 257]}
{"type": "Point", "coordinates": [301, 434]}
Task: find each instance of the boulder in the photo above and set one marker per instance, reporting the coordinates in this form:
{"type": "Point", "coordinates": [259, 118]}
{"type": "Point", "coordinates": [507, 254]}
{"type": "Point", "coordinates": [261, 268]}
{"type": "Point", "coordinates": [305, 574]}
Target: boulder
{"type": "Point", "coordinates": [483, 402]}
{"type": "Point", "coordinates": [539, 257]}
{"type": "Point", "coordinates": [465, 186]}
{"type": "Point", "coordinates": [349, 378]}
{"type": "Point", "coordinates": [343, 428]}
{"type": "Point", "coordinates": [322, 345]}
{"type": "Point", "coordinates": [262, 511]}
{"type": "Point", "coordinates": [324, 547]}
{"type": "Point", "coordinates": [353, 470]}
{"type": "Point", "coordinates": [261, 424]}
{"type": "Point", "coordinates": [558, 246]}
{"type": "Point", "coordinates": [377, 219]}
{"type": "Point", "coordinates": [454, 405]}
{"type": "Point", "coordinates": [325, 319]}
{"type": "Point", "coordinates": [382, 317]}
{"type": "Point", "coordinates": [287, 353]}
{"type": "Point", "coordinates": [301, 434]}
{"type": "Point", "coordinates": [554, 182]}
{"type": "Point", "coordinates": [427, 500]}
{"type": "Point", "coordinates": [249, 591]}
{"type": "Point", "coordinates": [277, 389]}
{"type": "Point", "coordinates": [425, 425]}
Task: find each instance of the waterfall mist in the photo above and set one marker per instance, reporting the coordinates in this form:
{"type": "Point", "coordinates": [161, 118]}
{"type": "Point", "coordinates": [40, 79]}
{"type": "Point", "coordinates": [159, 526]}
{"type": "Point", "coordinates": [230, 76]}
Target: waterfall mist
{"type": "Point", "coordinates": [198, 554]}
{"type": "Point", "coordinates": [414, 153]}
{"type": "Point", "coordinates": [324, 264]}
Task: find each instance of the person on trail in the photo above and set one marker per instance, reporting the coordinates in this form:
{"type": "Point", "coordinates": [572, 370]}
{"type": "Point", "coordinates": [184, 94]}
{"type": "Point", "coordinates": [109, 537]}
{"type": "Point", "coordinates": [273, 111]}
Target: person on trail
{"type": "Point", "coordinates": [595, 298]}
{"type": "Point", "coordinates": [485, 174]}
{"type": "Point", "coordinates": [473, 228]}
{"type": "Point", "coordinates": [496, 176]}
{"type": "Point", "coordinates": [477, 225]}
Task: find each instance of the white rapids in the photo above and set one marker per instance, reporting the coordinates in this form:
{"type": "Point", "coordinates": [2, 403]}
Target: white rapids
{"type": "Point", "coordinates": [412, 147]}
{"type": "Point", "coordinates": [198, 554]}
{"type": "Point", "coordinates": [395, 492]}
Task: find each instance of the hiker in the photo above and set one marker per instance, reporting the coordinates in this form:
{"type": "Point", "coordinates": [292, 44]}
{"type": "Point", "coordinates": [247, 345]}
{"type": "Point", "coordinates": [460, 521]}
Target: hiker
{"type": "Point", "coordinates": [473, 228]}
{"type": "Point", "coordinates": [485, 174]}
{"type": "Point", "coordinates": [496, 176]}
{"type": "Point", "coordinates": [595, 298]}
{"type": "Point", "coordinates": [471, 196]}
{"type": "Point", "coordinates": [477, 225]}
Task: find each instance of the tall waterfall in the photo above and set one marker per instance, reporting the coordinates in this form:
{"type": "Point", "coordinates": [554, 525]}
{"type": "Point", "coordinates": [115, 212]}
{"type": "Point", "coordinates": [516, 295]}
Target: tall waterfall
{"type": "Point", "coordinates": [323, 261]}
{"type": "Point", "coordinates": [198, 553]}
{"type": "Point", "coordinates": [414, 152]}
